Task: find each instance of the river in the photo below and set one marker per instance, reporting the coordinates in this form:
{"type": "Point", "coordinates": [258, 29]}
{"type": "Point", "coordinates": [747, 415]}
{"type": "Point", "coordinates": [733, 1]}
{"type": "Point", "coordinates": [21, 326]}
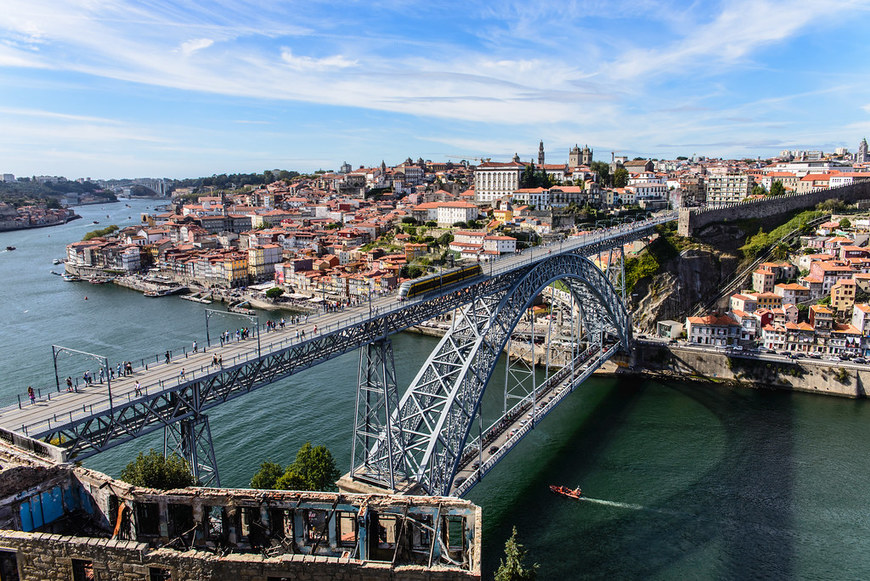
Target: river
{"type": "Point", "coordinates": [679, 480]}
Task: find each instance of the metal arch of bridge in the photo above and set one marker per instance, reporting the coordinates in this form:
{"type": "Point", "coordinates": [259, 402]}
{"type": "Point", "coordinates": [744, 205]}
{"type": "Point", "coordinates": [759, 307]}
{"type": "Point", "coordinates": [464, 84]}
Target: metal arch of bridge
{"type": "Point", "coordinates": [436, 413]}
{"type": "Point", "coordinates": [96, 428]}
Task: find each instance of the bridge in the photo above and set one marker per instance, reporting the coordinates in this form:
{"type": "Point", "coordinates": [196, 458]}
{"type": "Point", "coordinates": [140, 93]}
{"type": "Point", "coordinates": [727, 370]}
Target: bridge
{"type": "Point", "coordinates": [423, 442]}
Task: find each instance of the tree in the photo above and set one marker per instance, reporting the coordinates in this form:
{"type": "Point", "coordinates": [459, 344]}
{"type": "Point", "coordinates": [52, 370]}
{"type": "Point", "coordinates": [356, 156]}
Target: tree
{"type": "Point", "coordinates": [758, 190]}
{"type": "Point", "coordinates": [511, 568]}
{"type": "Point", "coordinates": [313, 469]}
{"type": "Point", "coordinates": [267, 476]}
{"type": "Point", "coordinates": [845, 223]}
{"type": "Point", "coordinates": [156, 471]}
{"type": "Point", "coordinates": [602, 169]}
{"type": "Point", "coordinates": [777, 189]}
{"type": "Point", "coordinates": [274, 292]}
{"type": "Point", "coordinates": [620, 178]}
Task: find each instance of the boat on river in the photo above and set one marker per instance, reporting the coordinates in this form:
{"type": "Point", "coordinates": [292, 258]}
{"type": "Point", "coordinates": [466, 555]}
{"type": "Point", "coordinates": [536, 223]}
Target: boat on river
{"type": "Point", "coordinates": [565, 491]}
{"type": "Point", "coordinates": [72, 278]}
{"type": "Point", "coordinates": [10, 248]}
{"type": "Point", "coordinates": [165, 292]}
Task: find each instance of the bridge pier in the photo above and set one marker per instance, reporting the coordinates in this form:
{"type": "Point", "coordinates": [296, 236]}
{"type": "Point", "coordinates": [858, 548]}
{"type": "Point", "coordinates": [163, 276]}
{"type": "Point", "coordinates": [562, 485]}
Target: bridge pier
{"type": "Point", "coordinates": [376, 451]}
{"type": "Point", "coordinates": [191, 439]}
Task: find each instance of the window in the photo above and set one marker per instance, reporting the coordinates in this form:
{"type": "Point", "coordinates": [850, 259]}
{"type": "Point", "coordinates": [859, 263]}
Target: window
{"type": "Point", "coordinates": [148, 518]}
{"type": "Point", "coordinates": [159, 574]}
{"type": "Point", "coordinates": [83, 570]}
{"type": "Point", "coordinates": [347, 529]}
{"type": "Point", "coordinates": [8, 566]}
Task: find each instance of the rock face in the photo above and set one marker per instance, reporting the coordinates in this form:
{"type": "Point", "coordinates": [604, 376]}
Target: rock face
{"type": "Point", "coordinates": [695, 276]}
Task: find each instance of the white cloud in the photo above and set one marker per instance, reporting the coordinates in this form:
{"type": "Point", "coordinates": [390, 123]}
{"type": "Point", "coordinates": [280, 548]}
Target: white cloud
{"type": "Point", "coordinates": [191, 46]}
{"type": "Point", "coordinates": [307, 63]}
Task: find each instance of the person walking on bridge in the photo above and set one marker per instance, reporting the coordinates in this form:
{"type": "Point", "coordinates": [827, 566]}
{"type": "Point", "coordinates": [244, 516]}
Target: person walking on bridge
{"type": "Point", "coordinates": [69, 385]}
{"type": "Point", "coordinates": [168, 357]}
{"type": "Point", "coordinates": [31, 394]}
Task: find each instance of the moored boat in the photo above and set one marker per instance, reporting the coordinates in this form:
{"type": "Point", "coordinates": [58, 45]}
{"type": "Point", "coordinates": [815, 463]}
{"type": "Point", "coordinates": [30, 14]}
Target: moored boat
{"type": "Point", "coordinates": [72, 278]}
{"type": "Point", "coordinates": [565, 491]}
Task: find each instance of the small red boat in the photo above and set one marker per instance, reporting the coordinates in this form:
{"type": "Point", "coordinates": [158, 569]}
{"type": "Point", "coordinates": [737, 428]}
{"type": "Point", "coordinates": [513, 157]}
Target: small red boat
{"type": "Point", "coordinates": [565, 491]}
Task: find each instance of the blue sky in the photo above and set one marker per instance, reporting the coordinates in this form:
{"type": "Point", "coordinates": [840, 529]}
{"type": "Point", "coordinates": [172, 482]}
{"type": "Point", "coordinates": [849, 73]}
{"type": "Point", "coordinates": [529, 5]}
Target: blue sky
{"type": "Point", "coordinates": [116, 88]}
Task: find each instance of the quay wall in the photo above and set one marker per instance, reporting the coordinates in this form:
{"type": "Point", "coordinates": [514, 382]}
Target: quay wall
{"type": "Point", "coordinates": [693, 219]}
{"type": "Point", "coordinates": [803, 375]}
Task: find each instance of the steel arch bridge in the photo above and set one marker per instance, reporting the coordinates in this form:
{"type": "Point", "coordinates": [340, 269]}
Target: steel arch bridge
{"type": "Point", "coordinates": [420, 442]}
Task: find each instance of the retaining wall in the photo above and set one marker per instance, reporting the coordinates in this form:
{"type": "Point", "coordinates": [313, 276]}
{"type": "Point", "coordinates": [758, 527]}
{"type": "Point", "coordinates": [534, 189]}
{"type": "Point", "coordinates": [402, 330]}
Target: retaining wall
{"type": "Point", "coordinates": [693, 219]}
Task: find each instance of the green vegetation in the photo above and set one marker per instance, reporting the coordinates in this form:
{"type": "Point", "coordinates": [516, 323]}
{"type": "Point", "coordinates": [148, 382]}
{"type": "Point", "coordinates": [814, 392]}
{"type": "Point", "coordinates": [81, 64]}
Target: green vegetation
{"type": "Point", "coordinates": [845, 223]}
{"type": "Point", "coordinates": [535, 179]}
{"type": "Point", "coordinates": [237, 180]}
{"type": "Point", "coordinates": [27, 191]}
{"type": "Point", "coordinates": [777, 189]}
{"type": "Point", "coordinates": [512, 568]}
{"type": "Point", "coordinates": [841, 375]}
{"type": "Point", "coordinates": [267, 476]}
{"type": "Point", "coordinates": [274, 292]}
{"type": "Point", "coordinates": [156, 471]}
{"type": "Point", "coordinates": [620, 178]}
{"type": "Point", "coordinates": [602, 169]}
{"type": "Point", "coordinates": [313, 469]}
{"type": "Point", "coordinates": [664, 248]}
{"type": "Point", "coordinates": [101, 232]}
{"type": "Point", "coordinates": [762, 241]}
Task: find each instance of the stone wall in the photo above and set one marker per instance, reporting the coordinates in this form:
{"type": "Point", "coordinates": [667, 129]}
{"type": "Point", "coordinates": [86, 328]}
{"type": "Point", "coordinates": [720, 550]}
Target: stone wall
{"type": "Point", "coordinates": [805, 375]}
{"type": "Point", "coordinates": [48, 557]}
{"type": "Point", "coordinates": [693, 219]}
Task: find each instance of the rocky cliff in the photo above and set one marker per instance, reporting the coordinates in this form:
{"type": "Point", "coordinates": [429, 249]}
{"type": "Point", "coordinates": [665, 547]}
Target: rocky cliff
{"type": "Point", "coordinates": [693, 275]}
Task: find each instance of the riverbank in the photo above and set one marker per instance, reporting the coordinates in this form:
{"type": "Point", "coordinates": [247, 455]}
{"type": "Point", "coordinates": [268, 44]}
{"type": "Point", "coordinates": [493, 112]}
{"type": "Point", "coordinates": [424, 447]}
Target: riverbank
{"type": "Point", "coordinates": [661, 361]}
{"type": "Point", "coordinates": [12, 226]}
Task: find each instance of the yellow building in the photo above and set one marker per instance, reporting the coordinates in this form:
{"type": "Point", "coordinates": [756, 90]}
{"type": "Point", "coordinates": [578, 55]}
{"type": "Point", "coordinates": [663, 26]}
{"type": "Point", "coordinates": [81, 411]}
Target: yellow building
{"type": "Point", "coordinates": [843, 297]}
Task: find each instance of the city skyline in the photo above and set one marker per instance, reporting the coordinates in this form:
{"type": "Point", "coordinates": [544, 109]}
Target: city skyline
{"type": "Point", "coordinates": [115, 89]}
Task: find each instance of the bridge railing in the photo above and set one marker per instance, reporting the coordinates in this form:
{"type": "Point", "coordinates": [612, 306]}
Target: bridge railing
{"type": "Point", "coordinates": [358, 315]}
{"type": "Point", "coordinates": [569, 376]}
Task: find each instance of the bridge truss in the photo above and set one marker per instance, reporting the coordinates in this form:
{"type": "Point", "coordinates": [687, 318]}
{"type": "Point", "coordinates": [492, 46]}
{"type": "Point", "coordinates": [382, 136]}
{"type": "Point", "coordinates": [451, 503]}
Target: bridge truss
{"type": "Point", "coordinates": [422, 440]}
{"type": "Point", "coordinates": [420, 436]}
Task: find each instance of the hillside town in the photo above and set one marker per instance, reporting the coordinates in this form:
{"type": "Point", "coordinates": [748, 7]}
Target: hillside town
{"type": "Point", "coordinates": [341, 235]}
{"type": "Point", "coordinates": [813, 305]}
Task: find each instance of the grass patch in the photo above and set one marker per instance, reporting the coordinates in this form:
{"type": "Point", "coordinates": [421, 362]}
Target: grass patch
{"type": "Point", "coordinates": [758, 243]}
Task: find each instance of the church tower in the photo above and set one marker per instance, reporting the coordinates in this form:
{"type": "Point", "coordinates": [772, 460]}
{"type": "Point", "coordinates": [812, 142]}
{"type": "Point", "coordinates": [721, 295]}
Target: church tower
{"type": "Point", "coordinates": [863, 154]}
{"type": "Point", "coordinates": [586, 156]}
{"type": "Point", "coordinates": [541, 153]}
{"type": "Point", "coordinates": [574, 157]}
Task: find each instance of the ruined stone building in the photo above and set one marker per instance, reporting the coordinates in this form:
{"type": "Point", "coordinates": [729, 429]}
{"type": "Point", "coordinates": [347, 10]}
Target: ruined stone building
{"type": "Point", "coordinates": [60, 521]}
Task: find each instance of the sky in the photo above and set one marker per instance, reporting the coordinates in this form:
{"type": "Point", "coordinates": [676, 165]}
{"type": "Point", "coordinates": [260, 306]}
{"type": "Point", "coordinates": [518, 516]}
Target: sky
{"type": "Point", "coordinates": [179, 88]}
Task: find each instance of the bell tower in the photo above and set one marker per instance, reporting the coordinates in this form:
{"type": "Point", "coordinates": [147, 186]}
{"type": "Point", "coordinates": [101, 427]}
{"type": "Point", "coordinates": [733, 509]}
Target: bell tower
{"type": "Point", "coordinates": [541, 153]}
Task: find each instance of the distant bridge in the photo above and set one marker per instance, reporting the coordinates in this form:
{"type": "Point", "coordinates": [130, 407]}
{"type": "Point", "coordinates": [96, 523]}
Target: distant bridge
{"type": "Point", "coordinates": [418, 443]}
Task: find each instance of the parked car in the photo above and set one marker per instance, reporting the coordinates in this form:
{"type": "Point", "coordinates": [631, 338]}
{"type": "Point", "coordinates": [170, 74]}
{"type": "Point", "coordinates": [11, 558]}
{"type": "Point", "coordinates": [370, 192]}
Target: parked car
{"type": "Point", "coordinates": [814, 355]}
{"type": "Point", "coordinates": [493, 449]}
{"type": "Point", "coordinates": [798, 355]}
{"type": "Point", "coordinates": [859, 360]}
{"type": "Point", "coordinates": [834, 358]}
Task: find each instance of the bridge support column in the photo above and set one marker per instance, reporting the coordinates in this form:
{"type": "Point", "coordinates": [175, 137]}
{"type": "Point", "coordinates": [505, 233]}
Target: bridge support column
{"type": "Point", "coordinates": [191, 439]}
{"type": "Point", "coordinates": [376, 451]}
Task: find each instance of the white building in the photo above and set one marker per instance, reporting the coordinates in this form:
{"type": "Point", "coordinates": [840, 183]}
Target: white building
{"type": "Point", "coordinates": [449, 213]}
{"type": "Point", "coordinates": [492, 180]}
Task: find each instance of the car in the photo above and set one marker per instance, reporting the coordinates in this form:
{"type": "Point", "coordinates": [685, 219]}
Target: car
{"type": "Point", "coordinates": [797, 355]}
{"type": "Point", "coordinates": [476, 465]}
{"type": "Point", "coordinates": [458, 481]}
{"type": "Point", "coordinates": [834, 359]}
{"type": "Point", "coordinates": [814, 355]}
{"type": "Point", "coordinates": [738, 347]}
{"type": "Point", "coordinates": [763, 350]}
{"type": "Point", "coordinates": [493, 449]}
{"type": "Point", "coordinates": [859, 360]}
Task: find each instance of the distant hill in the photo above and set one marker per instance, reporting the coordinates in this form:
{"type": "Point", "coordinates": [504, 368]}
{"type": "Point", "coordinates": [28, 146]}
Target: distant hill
{"type": "Point", "coordinates": [26, 192]}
